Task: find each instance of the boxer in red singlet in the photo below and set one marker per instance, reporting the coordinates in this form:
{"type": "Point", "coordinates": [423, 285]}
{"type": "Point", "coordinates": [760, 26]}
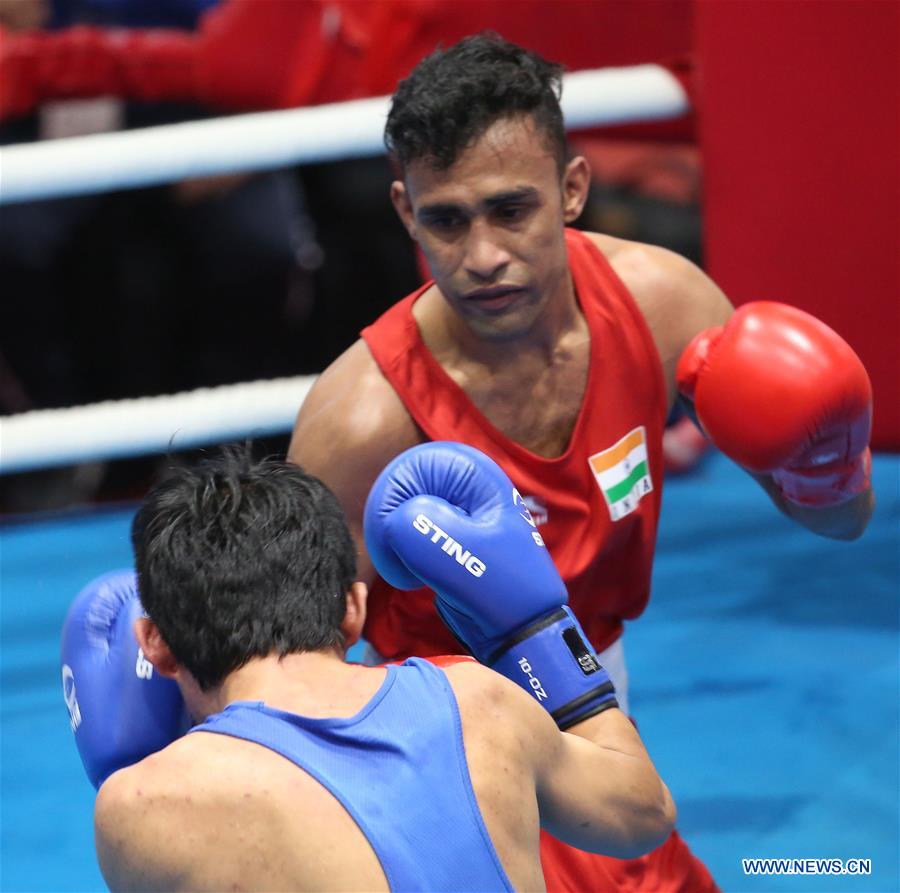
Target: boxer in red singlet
{"type": "Point", "coordinates": [559, 354]}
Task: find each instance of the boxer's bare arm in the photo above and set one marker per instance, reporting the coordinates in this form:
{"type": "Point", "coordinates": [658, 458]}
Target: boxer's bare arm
{"type": "Point", "coordinates": [599, 790]}
{"type": "Point", "coordinates": [350, 426]}
{"type": "Point", "coordinates": [596, 786]}
{"type": "Point", "coordinates": [678, 300]}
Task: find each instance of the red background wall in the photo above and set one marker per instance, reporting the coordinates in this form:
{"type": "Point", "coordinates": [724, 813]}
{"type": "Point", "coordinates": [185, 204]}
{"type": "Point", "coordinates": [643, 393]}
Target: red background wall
{"type": "Point", "coordinates": [799, 104]}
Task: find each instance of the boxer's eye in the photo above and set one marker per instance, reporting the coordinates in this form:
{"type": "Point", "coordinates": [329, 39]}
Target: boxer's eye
{"type": "Point", "coordinates": [445, 222]}
{"type": "Point", "coordinates": [442, 218]}
{"type": "Point", "coordinates": [511, 212]}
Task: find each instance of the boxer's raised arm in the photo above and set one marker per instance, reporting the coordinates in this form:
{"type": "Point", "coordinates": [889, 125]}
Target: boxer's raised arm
{"type": "Point", "coordinates": [446, 515]}
{"type": "Point", "coordinates": [350, 426]}
{"type": "Point", "coordinates": [597, 788]}
{"type": "Point", "coordinates": [774, 388]}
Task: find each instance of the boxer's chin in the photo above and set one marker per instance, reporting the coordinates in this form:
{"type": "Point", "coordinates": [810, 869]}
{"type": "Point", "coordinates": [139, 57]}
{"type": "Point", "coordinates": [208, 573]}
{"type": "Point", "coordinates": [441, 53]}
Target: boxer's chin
{"type": "Point", "coordinates": [499, 321]}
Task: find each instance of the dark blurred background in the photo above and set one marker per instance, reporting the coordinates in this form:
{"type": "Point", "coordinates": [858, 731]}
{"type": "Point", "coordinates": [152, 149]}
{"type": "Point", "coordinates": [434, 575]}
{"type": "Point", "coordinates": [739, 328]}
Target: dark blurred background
{"type": "Point", "coordinates": [234, 278]}
{"type": "Point", "coordinates": [238, 277]}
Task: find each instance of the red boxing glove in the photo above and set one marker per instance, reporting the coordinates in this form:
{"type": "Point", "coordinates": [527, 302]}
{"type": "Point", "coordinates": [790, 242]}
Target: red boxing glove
{"type": "Point", "coordinates": [782, 394]}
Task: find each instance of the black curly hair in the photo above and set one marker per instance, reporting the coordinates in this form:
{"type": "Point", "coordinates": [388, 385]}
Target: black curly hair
{"type": "Point", "coordinates": [454, 95]}
{"type": "Point", "coordinates": [239, 559]}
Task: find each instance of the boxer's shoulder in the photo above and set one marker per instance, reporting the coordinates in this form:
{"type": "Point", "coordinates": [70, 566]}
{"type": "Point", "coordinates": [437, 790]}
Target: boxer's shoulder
{"type": "Point", "coordinates": [659, 278]}
{"type": "Point", "coordinates": [138, 826]}
{"type": "Point", "coordinates": [176, 819]}
{"type": "Point", "coordinates": [676, 298]}
{"type": "Point", "coordinates": [491, 703]}
{"type": "Point", "coordinates": [352, 415]}
{"type": "Point", "coordinates": [168, 774]}
{"type": "Point", "coordinates": [353, 396]}
{"type": "Point", "coordinates": [196, 777]}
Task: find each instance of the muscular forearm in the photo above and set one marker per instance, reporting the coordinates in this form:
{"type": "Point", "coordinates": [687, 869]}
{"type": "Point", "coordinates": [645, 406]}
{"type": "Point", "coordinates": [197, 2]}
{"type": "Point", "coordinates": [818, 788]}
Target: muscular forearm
{"type": "Point", "coordinates": [631, 783]}
{"type": "Point", "coordinates": [612, 730]}
{"type": "Point", "coordinates": [846, 521]}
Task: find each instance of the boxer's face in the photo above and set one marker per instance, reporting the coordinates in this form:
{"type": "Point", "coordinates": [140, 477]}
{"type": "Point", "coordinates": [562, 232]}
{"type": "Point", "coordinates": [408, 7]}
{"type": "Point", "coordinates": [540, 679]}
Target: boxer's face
{"type": "Point", "coordinates": [491, 226]}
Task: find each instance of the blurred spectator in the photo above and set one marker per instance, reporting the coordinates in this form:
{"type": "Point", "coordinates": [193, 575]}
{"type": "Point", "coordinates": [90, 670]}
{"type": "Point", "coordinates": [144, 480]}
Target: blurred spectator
{"type": "Point", "coordinates": [152, 290]}
{"type": "Point", "coordinates": [254, 54]}
{"type": "Point", "coordinates": [24, 15]}
{"type": "Point", "coordinates": [145, 291]}
{"type": "Point", "coordinates": [130, 13]}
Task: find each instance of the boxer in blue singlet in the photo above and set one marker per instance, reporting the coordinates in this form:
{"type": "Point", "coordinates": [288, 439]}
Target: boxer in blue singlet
{"type": "Point", "coordinates": [304, 772]}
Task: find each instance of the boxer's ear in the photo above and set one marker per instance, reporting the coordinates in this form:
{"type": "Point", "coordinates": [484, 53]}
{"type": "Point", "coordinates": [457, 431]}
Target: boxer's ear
{"type": "Point", "coordinates": [355, 616]}
{"type": "Point", "coordinates": [154, 647]}
{"type": "Point", "coordinates": [403, 206]}
{"type": "Point", "coordinates": [576, 183]}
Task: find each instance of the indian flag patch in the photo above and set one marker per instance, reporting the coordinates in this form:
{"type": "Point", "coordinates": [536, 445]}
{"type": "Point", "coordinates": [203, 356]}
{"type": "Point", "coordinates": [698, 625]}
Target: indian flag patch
{"type": "Point", "coordinates": [623, 473]}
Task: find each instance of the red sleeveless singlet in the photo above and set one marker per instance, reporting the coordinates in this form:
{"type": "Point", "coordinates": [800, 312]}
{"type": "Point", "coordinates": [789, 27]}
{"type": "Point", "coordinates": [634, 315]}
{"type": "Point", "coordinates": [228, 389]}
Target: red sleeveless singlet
{"type": "Point", "coordinates": [597, 505]}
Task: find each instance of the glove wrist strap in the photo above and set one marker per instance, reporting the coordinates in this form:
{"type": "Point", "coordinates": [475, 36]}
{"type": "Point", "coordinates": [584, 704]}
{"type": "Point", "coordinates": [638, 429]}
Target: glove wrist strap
{"type": "Point", "coordinates": [552, 660]}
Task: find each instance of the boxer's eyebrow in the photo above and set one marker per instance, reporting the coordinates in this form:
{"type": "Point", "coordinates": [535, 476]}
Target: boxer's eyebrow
{"type": "Point", "coordinates": [522, 194]}
{"type": "Point", "coordinates": [510, 196]}
{"type": "Point", "coordinates": [439, 209]}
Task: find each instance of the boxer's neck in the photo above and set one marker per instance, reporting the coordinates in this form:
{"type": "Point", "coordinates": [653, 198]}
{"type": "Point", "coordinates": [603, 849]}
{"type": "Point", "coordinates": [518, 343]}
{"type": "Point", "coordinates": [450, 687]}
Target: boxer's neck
{"type": "Point", "coordinates": [316, 683]}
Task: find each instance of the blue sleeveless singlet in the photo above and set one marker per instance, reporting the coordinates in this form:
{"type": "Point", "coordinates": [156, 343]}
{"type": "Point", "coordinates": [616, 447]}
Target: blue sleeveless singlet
{"type": "Point", "coordinates": [399, 769]}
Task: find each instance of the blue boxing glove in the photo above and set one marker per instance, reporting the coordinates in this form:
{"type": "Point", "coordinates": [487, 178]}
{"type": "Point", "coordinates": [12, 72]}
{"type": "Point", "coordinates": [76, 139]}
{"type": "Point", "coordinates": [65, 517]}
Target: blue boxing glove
{"type": "Point", "coordinates": [446, 515]}
{"type": "Point", "coordinates": [120, 709]}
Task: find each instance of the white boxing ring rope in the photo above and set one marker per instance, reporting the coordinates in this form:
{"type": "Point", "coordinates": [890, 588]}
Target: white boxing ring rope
{"type": "Point", "coordinates": [267, 140]}
{"type": "Point", "coordinates": [119, 429]}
